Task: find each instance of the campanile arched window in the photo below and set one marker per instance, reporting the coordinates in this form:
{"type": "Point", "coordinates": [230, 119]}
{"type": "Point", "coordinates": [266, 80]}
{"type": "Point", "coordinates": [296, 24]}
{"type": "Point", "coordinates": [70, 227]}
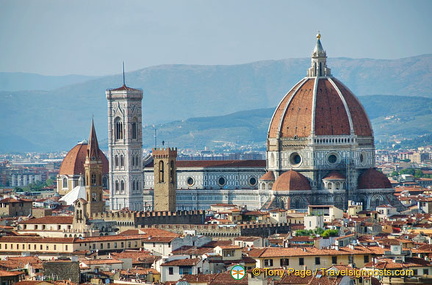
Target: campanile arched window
{"type": "Point", "coordinates": [118, 129]}
{"type": "Point", "coordinates": [134, 129]}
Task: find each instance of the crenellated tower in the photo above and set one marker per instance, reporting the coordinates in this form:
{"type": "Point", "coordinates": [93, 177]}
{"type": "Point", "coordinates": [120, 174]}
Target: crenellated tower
{"type": "Point", "coordinates": [126, 178]}
{"type": "Point", "coordinates": [165, 179]}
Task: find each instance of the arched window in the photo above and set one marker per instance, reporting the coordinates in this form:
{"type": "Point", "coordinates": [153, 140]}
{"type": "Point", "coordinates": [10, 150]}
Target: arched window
{"type": "Point", "coordinates": [116, 159]}
{"type": "Point", "coordinates": [93, 179]}
{"type": "Point", "coordinates": [377, 202]}
{"type": "Point", "coordinates": [117, 185]}
{"type": "Point", "coordinates": [133, 185]}
{"type": "Point", "coordinates": [121, 160]}
{"type": "Point", "coordinates": [172, 171]}
{"type": "Point", "coordinates": [122, 185]}
{"type": "Point", "coordinates": [161, 171]}
{"type": "Point", "coordinates": [118, 129]}
{"type": "Point", "coordinates": [134, 130]}
{"type": "Point", "coordinates": [65, 183]}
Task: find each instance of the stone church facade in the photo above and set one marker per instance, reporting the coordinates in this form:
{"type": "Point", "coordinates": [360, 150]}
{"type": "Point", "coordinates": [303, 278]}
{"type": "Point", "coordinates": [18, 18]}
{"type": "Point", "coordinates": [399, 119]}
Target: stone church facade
{"type": "Point", "coordinates": [320, 150]}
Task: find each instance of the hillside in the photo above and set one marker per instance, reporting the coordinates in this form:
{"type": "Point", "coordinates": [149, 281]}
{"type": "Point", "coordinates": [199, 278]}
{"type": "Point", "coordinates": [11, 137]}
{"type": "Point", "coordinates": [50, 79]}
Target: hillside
{"type": "Point", "coordinates": [18, 81]}
{"type": "Point", "coordinates": [392, 117]}
{"type": "Point", "coordinates": [56, 119]}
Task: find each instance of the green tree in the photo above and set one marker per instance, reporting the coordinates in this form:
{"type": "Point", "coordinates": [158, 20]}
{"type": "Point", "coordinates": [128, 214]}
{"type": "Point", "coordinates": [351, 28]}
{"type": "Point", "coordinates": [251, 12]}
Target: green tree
{"type": "Point", "coordinates": [49, 182]}
{"type": "Point", "coordinates": [330, 233]}
{"type": "Point", "coordinates": [407, 171]}
{"type": "Point", "coordinates": [418, 173]}
{"type": "Point", "coordinates": [18, 189]}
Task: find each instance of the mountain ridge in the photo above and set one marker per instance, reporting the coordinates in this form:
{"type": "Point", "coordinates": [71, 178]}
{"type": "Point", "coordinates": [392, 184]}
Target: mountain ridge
{"type": "Point", "coordinates": [54, 119]}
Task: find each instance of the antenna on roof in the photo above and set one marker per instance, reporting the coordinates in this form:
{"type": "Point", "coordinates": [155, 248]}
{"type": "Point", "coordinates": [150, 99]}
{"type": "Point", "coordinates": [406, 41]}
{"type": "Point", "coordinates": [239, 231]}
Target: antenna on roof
{"type": "Point", "coordinates": [124, 81]}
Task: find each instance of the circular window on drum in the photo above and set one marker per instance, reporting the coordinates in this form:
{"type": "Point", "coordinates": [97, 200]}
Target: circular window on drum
{"type": "Point", "coordinates": [221, 181]}
{"type": "Point", "coordinates": [252, 181]}
{"type": "Point", "coordinates": [190, 181]}
{"type": "Point", "coordinates": [295, 158]}
{"type": "Point", "coordinates": [332, 158]}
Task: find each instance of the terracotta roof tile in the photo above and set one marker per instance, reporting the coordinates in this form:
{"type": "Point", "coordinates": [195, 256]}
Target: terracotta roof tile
{"type": "Point", "coordinates": [149, 232]}
{"type": "Point", "coordinates": [359, 118]}
{"type": "Point", "coordinates": [312, 251]}
{"type": "Point", "coordinates": [225, 278]}
{"type": "Point", "coordinates": [294, 114]}
{"type": "Point", "coordinates": [124, 88]}
{"type": "Point", "coordinates": [334, 175]}
{"type": "Point", "coordinates": [330, 115]}
{"type": "Point", "coordinates": [268, 176]}
{"type": "Point", "coordinates": [50, 220]}
{"type": "Point", "coordinates": [4, 273]}
{"type": "Point", "coordinates": [73, 163]}
{"type": "Point", "coordinates": [291, 180]}
{"type": "Point", "coordinates": [182, 262]}
{"type": "Point", "coordinates": [297, 115]}
{"type": "Point", "coordinates": [373, 179]}
{"type": "Point", "coordinates": [100, 261]}
{"type": "Point", "coordinates": [35, 239]}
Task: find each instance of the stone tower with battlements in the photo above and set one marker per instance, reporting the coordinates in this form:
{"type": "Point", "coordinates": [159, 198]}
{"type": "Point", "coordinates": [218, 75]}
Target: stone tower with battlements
{"type": "Point", "coordinates": [126, 178]}
{"type": "Point", "coordinates": [165, 179]}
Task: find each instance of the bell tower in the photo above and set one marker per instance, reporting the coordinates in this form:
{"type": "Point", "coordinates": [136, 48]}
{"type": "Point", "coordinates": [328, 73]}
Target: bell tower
{"type": "Point", "coordinates": [93, 175]}
{"type": "Point", "coordinates": [165, 179]}
{"type": "Point", "coordinates": [126, 179]}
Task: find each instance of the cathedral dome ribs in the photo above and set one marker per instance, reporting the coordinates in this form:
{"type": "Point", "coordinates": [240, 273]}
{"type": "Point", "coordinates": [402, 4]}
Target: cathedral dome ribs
{"type": "Point", "coordinates": [320, 140]}
{"type": "Point", "coordinates": [319, 106]}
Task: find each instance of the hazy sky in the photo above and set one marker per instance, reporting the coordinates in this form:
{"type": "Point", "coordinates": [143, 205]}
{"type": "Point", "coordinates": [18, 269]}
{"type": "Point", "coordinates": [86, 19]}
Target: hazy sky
{"type": "Point", "coordinates": [92, 37]}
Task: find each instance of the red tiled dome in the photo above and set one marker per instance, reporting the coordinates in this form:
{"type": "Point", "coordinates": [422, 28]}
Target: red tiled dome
{"type": "Point", "coordinates": [73, 163]}
{"type": "Point", "coordinates": [319, 104]}
{"type": "Point", "coordinates": [373, 179]}
{"type": "Point", "coordinates": [334, 109]}
{"type": "Point", "coordinates": [334, 175]}
{"type": "Point", "coordinates": [268, 176]}
{"type": "Point", "coordinates": [291, 180]}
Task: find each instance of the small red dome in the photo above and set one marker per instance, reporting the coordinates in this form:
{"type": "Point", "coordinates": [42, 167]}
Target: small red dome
{"type": "Point", "coordinates": [334, 175]}
{"type": "Point", "coordinates": [268, 176]}
{"type": "Point", "coordinates": [373, 179]}
{"type": "Point", "coordinates": [73, 163]}
{"type": "Point", "coordinates": [291, 180]}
